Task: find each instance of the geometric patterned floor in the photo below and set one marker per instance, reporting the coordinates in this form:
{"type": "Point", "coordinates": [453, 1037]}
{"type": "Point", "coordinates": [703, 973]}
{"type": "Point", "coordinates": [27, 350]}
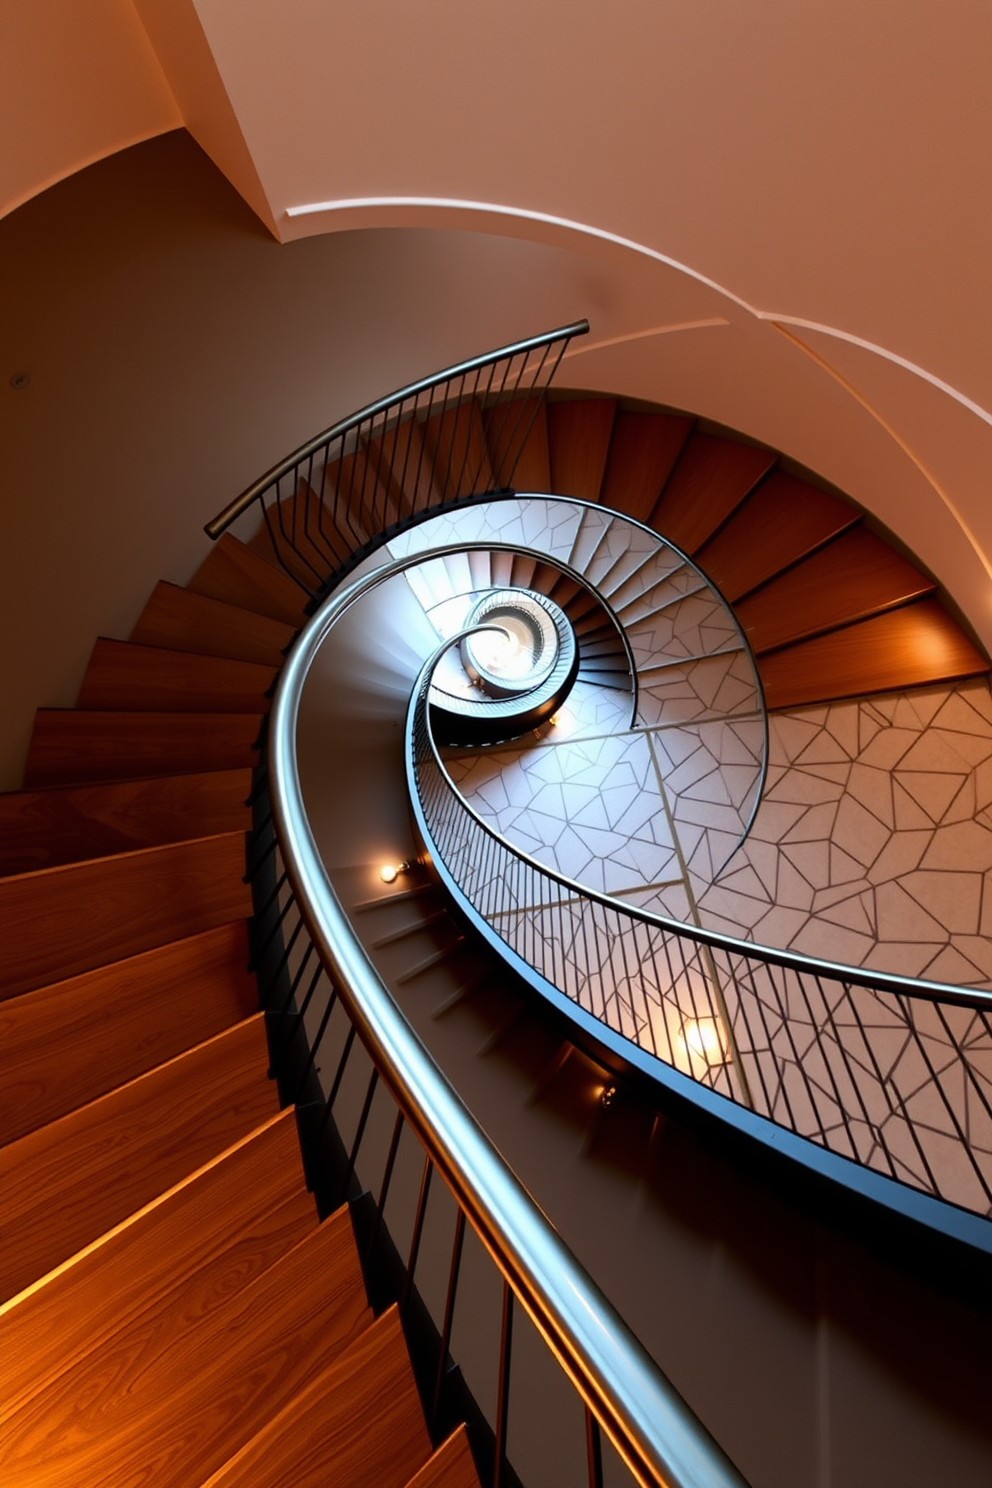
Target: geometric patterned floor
{"type": "Point", "coordinates": [872, 843]}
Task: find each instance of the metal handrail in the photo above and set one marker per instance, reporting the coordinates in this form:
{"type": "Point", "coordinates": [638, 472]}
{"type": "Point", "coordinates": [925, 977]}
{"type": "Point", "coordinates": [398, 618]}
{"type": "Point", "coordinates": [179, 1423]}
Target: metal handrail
{"type": "Point", "coordinates": [652, 1428]}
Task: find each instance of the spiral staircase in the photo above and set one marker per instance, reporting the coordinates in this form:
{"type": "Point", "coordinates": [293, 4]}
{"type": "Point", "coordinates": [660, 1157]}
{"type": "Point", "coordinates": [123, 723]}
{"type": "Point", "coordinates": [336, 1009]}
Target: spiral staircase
{"type": "Point", "coordinates": [175, 1307]}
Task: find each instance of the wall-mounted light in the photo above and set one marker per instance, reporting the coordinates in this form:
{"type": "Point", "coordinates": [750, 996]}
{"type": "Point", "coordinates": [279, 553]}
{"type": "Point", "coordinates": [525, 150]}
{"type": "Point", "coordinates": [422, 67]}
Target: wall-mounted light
{"type": "Point", "coordinates": [704, 1038]}
{"type": "Point", "coordinates": [390, 872]}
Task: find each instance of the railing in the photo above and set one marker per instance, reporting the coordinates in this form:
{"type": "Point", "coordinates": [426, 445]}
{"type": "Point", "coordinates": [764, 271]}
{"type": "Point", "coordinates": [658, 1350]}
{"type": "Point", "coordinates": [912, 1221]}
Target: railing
{"type": "Point", "coordinates": [439, 441]}
{"type": "Point", "coordinates": [892, 1073]}
{"type": "Point", "coordinates": [324, 998]}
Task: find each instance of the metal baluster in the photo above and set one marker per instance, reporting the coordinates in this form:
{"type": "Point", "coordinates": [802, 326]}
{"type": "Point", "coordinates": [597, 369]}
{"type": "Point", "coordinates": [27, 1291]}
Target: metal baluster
{"type": "Point", "coordinates": [387, 1178]}
{"type": "Point", "coordinates": [449, 1314]}
{"type": "Point", "coordinates": [418, 1229]}
{"type": "Point", "coordinates": [594, 1451]}
{"type": "Point", "coordinates": [359, 1133]}
{"type": "Point", "coordinates": [503, 1393]}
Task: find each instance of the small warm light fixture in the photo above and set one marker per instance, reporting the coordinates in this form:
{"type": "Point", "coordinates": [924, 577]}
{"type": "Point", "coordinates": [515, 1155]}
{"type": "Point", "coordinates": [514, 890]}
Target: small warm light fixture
{"type": "Point", "coordinates": [704, 1039]}
{"type": "Point", "coordinates": [607, 1095]}
{"type": "Point", "coordinates": [390, 872]}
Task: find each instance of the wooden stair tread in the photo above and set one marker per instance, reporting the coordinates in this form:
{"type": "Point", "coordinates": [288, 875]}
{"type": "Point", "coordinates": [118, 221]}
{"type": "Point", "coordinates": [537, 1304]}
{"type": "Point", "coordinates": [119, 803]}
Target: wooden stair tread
{"type": "Point", "coordinates": [82, 915]}
{"type": "Point", "coordinates": [238, 575]}
{"type": "Point", "coordinates": [68, 1182]}
{"type": "Point", "coordinates": [579, 441]}
{"type": "Point", "coordinates": [908, 647]}
{"type": "Point", "coordinates": [64, 823]}
{"type": "Point", "coordinates": [854, 576]}
{"type": "Point", "coordinates": [783, 520]}
{"type": "Point", "coordinates": [372, 1432]}
{"type": "Point", "coordinates": [207, 1379]}
{"type": "Point", "coordinates": [711, 478]}
{"type": "Point", "coordinates": [643, 450]}
{"type": "Point", "coordinates": [64, 1045]}
{"type": "Point", "coordinates": [73, 745]}
{"type": "Point", "coordinates": [182, 620]}
{"type": "Point", "coordinates": [127, 677]}
{"type": "Point", "coordinates": [300, 538]}
{"type": "Point", "coordinates": [166, 1262]}
{"type": "Point", "coordinates": [456, 442]}
{"type": "Point", "coordinates": [517, 435]}
{"type": "Point", "coordinates": [451, 1466]}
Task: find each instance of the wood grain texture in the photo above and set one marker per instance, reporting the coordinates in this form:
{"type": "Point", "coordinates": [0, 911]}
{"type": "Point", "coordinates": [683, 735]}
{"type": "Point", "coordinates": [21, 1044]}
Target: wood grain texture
{"type": "Point", "coordinates": [67, 1044]}
{"type": "Point", "coordinates": [82, 915]}
{"type": "Point", "coordinates": [353, 485]}
{"type": "Point", "coordinates": [180, 1257]}
{"type": "Point", "coordinates": [208, 1379]}
{"type": "Point", "coordinates": [782, 521]}
{"type": "Point", "coordinates": [235, 573]}
{"type": "Point", "coordinates": [67, 1183]}
{"type": "Point", "coordinates": [643, 450]}
{"type": "Point", "coordinates": [126, 677]}
{"type": "Point", "coordinates": [517, 435]}
{"type": "Point", "coordinates": [908, 647]}
{"type": "Point", "coordinates": [854, 576]}
{"type": "Point", "coordinates": [456, 441]}
{"type": "Point", "coordinates": [185, 621]}
{"type": "Point", "coordinates": [451, 1466]}
{"type": "Point", "coordinates": [72, 745]}
{"type": "Point", "coordinates": [578, 441]}
{"type": "Point", "coordinates": [710, 480]}
{"type": "Point", "coordinates": [39, 829]}
{"type": "Point", "coordinates": [372, 1432]}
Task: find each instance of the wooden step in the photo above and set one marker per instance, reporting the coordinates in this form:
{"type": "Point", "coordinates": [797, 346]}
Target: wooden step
{"type": "Point", "coordinates": [67, 1183]}
{"type": "Point", "coordinates": [172, 1400]}
{"type": "Point", "coordinates": [353, 487]}
{"type": "Point", "coordinates": [181, 620]}
{"type": "Point", "coordinates": [40, 829]}
{"type": "Point", "coordinates": [517, 435]}
{"type": "Point", "coordinates": [451, 1466]}
{"type": "Point", "coordinates": [782, 521]}
{"type": "Point", "coordinates": [371, 1432]}
{"type": "Point", "coordinates": [904, 648]}
{"type": "Point", "coordinates": [578, 441]}
{"type": "Point", "coordinates": [710, 480]}
{"type": "Point", "coordinates": [171, 1262]}
{"type": "Point", "coordinates": [70, 745]}
{"type": "Point", "coordinates": [643, 450]}
{"type": "Point", "coordinates": [82, 915]}
{"type": "Point", "coordinates": [456, 442]}
{"type": "Point", "coordinates": [126, 677]}
{"type": "Point", "coordinates": [238, 575]}
{"type": "Point", "coordinates": [64, 1045]}
{"type": "Point", "coordinates": [854, 576]}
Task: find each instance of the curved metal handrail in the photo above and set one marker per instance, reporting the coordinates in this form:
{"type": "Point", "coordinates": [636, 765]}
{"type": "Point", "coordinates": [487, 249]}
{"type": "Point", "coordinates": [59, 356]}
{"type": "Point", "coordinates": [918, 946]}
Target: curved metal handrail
{"type": "Point", "coordinates": [653, 1429]}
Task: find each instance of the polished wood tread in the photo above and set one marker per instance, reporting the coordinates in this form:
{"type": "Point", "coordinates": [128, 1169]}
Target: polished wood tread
{"type": "Point", "coordinates": [72, 746]}
{"type": "Point", "coordinates": [451, 1466]}
{"type": "Point", "coordinates": [66, 1183]}
{"type": "Point", "coordinates": [372, 1432]}
{"type": "Point", "coordinates": [83, 915]}
{"type": "Point", "coordinates": [211, 1373]}
{"type": "Point", "coordinates": [182, 1253]}
{"type": "Point", "coordinates": [124, 676]}
{"type": "Point", "coordinates": [64, 1045]}
{"type": "Point", "coordinates": [182, 620]}
{"type": "Point", "coordinates": [236, 574]}
{"type": "Point", "coordinates": [65, 823]}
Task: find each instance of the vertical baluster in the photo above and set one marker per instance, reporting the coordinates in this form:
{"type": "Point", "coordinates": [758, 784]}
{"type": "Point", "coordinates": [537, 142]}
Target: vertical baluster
{"type": "Point", "coordinates": [449, 1314]}
{"type": "Point", "coordinates": [418, 1229]}
{"type": "Point", "coordinates": [594, 1451]}
{"type": "Point", "coordinates": [503, 1393]}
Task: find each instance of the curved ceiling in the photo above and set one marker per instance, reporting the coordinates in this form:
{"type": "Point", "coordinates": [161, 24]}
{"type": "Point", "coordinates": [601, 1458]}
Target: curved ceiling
{"type": "Point", "coordinates": [800, 191]}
